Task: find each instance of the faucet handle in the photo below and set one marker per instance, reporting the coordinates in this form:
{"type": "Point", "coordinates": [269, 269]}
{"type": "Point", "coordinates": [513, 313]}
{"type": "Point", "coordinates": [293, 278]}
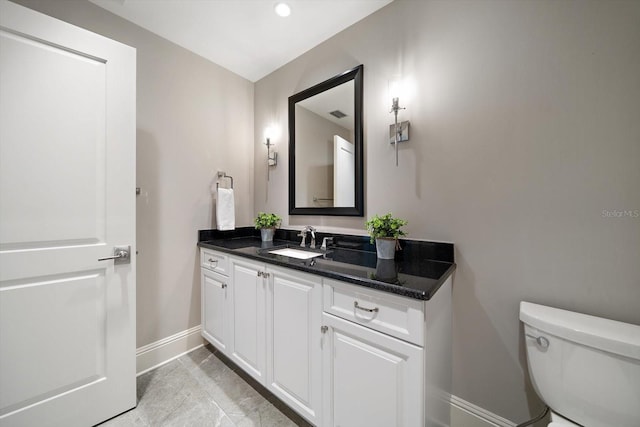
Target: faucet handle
{"type": "Point", "coordinates": [324, 243]}
{"type": "Point", "coordinates": [303, 234]}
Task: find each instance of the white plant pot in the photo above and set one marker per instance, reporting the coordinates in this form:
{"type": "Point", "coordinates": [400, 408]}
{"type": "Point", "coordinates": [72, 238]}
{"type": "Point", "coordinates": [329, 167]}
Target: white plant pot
{"type": "Point", "coordinates": [386, 248]}
{"type": "Point", "coordinates": [267, 234]}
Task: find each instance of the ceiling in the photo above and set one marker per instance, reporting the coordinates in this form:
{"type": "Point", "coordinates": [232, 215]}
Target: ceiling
{"type": "Point", "coordinates": [244, 36]}
{"type": "Point", "coordinates": [339, 98]}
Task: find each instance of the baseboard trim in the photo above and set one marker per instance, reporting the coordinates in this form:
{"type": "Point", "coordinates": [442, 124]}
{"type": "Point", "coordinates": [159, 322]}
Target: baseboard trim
{"type": "Point", "coordinates": [158, 353]}
{"type": "Point", "coordinates": [466, 414]}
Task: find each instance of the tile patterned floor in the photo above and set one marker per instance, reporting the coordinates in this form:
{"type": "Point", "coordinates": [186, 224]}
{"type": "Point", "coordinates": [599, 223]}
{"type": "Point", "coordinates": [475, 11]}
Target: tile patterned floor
{"type": "Point", "coordinates": [202, 388]}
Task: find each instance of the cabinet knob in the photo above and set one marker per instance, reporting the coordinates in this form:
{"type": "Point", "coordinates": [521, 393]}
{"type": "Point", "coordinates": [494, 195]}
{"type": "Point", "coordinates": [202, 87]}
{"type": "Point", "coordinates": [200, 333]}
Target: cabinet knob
{"type": "Point", "coordinates": [324, 329]}
{"type": "Point", "coordinates": [224, 285]}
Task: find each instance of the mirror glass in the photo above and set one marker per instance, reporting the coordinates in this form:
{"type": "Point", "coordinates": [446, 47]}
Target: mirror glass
{"type": "Point", "coordinates": [325, 147]}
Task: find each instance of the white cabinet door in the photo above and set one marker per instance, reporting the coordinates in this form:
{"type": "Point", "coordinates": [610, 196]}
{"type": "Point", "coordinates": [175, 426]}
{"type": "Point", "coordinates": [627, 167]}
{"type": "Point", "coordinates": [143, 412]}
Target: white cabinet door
{"type": "Point", "coordinates": [67, 179]}
{"type": "Point", "coordinates": [249, 327]}
{"type": "Point", "coordinates": [294, 306]}
{"type": "Point", "coordinates": [215, 309]}
{"type": "Point", "coordinates": [370, 379]}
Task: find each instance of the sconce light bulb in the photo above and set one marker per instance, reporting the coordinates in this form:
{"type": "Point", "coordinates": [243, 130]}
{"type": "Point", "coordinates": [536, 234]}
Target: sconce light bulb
{"type": "Point", "coordinates": [395, 104]}
{"type": "Point", "coordinates": [269, 134]}
{"type": "Point", "coordinates": [396, 88]}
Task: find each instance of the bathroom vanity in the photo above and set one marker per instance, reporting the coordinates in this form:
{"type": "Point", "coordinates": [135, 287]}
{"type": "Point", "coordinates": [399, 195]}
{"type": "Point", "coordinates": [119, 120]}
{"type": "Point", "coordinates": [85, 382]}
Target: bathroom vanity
{"type": "Point", "coordinates": [343, 338]}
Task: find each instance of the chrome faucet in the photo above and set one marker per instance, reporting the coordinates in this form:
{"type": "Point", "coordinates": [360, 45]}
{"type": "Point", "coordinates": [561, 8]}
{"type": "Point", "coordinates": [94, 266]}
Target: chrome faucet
{"type": "Point", "coordinates": [324, 242]}
{"type": "Point", "coordinates": [313, 236]}
{"type": "Point", "coordinates": [303, 233]}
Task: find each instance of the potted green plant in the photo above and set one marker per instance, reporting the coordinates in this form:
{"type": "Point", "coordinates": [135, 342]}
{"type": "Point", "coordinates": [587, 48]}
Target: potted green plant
{"type": "Point", "coordinates": [267, 224]}
{"type": "Point", "coordinates": [385, 230]}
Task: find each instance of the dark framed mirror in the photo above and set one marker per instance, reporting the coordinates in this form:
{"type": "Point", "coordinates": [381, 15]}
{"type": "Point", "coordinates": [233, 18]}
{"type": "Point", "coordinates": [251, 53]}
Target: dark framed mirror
{"type": "Point", "coordinates": [326, 147]}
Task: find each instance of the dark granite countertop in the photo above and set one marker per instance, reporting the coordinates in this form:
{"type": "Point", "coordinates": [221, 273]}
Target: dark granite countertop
{"type": "Point", "coordinates": [417, 272]}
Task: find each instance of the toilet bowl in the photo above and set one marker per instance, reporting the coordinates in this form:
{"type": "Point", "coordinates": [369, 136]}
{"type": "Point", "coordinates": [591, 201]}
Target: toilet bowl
{"type": "Point", "coordinates": [585, 368]}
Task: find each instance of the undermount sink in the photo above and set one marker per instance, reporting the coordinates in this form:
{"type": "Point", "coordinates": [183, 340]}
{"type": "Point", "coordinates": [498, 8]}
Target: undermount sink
{"type": "Point", "coordinates": [295, 253]}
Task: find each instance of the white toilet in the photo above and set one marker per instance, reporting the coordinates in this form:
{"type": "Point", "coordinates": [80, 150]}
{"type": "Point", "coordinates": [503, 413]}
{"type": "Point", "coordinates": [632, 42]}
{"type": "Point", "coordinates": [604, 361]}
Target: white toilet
{"type": "Point", "coordinates": [585, 368]}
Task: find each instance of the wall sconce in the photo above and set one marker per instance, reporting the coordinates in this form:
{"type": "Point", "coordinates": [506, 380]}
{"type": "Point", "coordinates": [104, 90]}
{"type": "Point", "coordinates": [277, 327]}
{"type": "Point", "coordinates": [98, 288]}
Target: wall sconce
{"type": "Point", "coordinates": [398, 132]}
{"type": "Point", "coordinates": [272, 158]}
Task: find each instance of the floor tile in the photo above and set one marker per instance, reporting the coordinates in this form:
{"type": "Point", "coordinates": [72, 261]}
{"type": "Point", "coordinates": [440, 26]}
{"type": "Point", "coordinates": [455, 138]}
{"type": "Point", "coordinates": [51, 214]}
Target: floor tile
{"type": "Point", "coordinates": [202, 389]}
{"type": "Point", "coordinates": [266, 415]}
{"type": "Point", "coordinates": [168, 390]}
{"type": "Point", "coordinates": [131, 418]}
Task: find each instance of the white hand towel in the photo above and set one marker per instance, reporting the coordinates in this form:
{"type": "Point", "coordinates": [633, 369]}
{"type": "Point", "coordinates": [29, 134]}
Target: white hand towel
{"type": "Point", "coordinates": [225, 209]}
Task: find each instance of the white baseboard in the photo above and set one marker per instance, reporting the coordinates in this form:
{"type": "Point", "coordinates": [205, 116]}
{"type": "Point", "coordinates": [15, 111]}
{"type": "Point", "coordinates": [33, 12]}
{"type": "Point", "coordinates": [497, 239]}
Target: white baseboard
{"type": "Point", "coordinates": [167, 349]}
{"type": "Point", "coordinates": [465, 414]}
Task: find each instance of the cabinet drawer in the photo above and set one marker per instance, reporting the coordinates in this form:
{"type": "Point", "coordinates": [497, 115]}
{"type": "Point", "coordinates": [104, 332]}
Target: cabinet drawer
{"type": "Point", "coordinates": [215, 261]}
{"type": "Point", "coordinates": [391, 314]}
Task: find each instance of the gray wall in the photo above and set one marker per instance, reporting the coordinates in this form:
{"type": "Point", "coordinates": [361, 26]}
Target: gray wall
{"type": "Point", "coordinates": [190, 112]}
{"type": "Point", "coordinates": [525, 127]}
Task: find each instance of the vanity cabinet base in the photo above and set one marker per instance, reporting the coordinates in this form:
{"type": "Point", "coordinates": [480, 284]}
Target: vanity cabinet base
{"type": "Point", "coordinates": [337, 354]}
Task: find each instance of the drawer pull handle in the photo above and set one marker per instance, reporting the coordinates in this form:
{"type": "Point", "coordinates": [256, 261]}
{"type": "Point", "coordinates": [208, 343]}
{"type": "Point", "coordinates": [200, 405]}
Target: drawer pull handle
{"type": "Point", "coordinates": [370, 310]}
{"type": "Point", "coordinates": [213, 260]}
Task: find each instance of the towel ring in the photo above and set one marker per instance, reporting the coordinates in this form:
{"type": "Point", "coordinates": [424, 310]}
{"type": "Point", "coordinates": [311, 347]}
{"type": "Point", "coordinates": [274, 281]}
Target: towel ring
{"type": "Point", "coordinates": [224, 175]}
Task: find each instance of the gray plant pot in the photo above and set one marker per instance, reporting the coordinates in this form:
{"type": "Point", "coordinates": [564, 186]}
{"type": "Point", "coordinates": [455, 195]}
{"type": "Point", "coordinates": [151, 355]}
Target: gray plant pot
{"type": "Point", "coordinates": [386, 248]}
{"type": "Point", "coordinates": [267, 234]}
{"type": "Point", "coordinates": [386, 270]}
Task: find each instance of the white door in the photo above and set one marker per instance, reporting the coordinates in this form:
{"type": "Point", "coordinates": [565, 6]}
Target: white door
{"type": "Point", "coordinates": [370, 379]}
{"type": "Point", "coordinates": [67, 179]}
{"type": "Point", "coordinates": [294, 307]}
{"type": "Point", "coordinates": [215, 309]}
{"type": "Point", "coordinates": [249, 327]}
{"type": "Point", "coordinates": [344, 173]}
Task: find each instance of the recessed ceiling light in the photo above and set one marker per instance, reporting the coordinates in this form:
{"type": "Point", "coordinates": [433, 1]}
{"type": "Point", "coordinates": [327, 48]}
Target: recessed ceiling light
{"type": "Point", "coordinates": [283, 9]}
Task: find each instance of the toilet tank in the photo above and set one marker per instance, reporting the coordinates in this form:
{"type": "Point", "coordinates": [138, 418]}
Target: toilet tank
{"type": "Point", "coordinates": [585, 368]}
